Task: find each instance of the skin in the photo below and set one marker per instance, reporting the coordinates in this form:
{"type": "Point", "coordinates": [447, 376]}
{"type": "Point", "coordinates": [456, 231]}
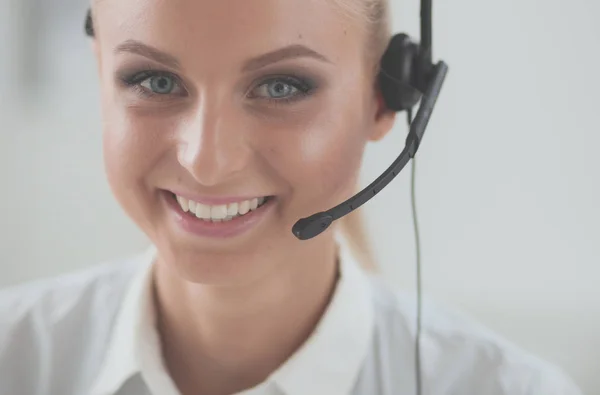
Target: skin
{"type": "Point", "coordinates": [230, 311]}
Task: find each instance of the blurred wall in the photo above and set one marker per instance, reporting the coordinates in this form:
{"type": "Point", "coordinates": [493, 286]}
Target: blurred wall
{"type": "Point", "coordinates": [508, 176]}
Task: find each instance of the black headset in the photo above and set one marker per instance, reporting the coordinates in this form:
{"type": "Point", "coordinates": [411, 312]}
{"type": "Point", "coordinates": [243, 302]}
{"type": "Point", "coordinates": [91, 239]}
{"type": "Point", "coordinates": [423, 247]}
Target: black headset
{"type": "Point", "coordinates": [407, 75]}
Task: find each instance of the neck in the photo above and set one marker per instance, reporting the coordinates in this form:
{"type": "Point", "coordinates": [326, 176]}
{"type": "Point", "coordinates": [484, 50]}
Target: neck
{"type": "Point", "coordinates": [222, 340]}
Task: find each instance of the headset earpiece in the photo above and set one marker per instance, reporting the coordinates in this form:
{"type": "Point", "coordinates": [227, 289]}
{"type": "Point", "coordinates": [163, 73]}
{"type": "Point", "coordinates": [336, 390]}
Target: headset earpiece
{"type": "Point", "coordinates": [398, 74]}
{"type": "Point", "coordinates": [89, 24]}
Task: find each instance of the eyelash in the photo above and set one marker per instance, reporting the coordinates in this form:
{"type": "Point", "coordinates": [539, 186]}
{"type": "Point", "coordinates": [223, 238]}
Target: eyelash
{"type": "Point", "coordinates": [303, 86]}
{"type": "Point", "coordinates": [135, 80]}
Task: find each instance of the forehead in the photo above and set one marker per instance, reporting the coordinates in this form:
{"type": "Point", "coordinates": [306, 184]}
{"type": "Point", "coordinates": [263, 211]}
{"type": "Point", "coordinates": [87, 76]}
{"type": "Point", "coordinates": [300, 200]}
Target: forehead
{"type": "Point", "coordinates": [231, 29]}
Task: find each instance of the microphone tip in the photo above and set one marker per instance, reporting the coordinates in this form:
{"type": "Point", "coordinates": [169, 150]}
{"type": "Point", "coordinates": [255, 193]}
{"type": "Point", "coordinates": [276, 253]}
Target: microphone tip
{"type": "Point", "coordinates": [312, 226]}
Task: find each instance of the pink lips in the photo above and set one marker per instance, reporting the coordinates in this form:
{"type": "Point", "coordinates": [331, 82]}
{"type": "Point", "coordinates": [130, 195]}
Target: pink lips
{"type": "Point", "coordinates": [199, 227]}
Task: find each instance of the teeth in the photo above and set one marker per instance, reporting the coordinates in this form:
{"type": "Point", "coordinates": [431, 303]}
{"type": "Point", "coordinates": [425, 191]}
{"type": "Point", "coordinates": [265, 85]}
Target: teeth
{"type": "Point", "coordinates": [219, 213]}
{"type": "Point", "coordinates": [232, 209]}
{"type": "Point", "coordinates": [253, 204]}
{"type": "Point", "coordinates": [184, 203]}
{"type": "Point", "coordinates": [244, 207]}
{"type": "Point", "coordinates": [203, 211]}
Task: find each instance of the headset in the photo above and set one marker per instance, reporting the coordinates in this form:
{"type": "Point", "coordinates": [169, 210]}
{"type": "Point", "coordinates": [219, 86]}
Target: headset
{"type": "Point", "coordinates": [407, 75]}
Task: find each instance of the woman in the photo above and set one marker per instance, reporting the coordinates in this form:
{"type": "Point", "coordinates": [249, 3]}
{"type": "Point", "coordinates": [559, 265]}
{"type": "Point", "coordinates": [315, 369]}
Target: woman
{"type": "Point", "coordinates": [224, 123]}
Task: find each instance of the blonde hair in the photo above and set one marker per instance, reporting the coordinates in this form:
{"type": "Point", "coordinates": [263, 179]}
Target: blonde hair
{"type": "Point", "coordinates": [375, 17]}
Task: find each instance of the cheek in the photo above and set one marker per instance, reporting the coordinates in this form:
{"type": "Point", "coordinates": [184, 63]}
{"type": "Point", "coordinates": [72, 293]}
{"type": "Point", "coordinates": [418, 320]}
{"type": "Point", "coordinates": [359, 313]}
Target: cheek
{"type": "Point", "coordinates": [131, 136]}
{"type": "Point", "coordinates": [132, 146]}
{"type": "Point", "coordinates": [322, 156]}
{"type": "Point", "coordinates": [329, 155]}
{"type": "Point", "coordinates": [331, 144]}
{"type": "Point", "coordinates": [123, 158]}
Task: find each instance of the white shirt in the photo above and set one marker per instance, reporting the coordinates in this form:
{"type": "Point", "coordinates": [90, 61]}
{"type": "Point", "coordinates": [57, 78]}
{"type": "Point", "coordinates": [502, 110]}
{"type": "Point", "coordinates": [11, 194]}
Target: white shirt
{"type": "Point", "coordinates": [93, 333]}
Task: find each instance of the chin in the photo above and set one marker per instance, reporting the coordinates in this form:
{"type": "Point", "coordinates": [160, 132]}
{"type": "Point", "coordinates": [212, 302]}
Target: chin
{"type": "Point", "coordinates": [221, 265]}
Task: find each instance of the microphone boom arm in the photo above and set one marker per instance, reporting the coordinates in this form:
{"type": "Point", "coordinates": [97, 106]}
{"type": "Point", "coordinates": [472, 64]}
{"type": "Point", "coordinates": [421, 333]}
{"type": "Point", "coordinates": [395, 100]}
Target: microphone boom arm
{"type": "Point", "coordinates": [307, 228]}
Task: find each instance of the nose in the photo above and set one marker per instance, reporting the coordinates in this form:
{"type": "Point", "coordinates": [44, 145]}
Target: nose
{"type": "Point", "coordinates": [213, 146]}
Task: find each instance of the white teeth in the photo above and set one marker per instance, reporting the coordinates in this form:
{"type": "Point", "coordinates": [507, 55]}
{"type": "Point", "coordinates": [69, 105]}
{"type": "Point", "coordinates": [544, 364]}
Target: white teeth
{"type": "Point", "coordinates": [203, 211]}
{"type": "Point", "coordinates": [184, 203]}
{"type": "Point", "coordinates": [232, 209]}
{"type": "Point", "coordinates": [253, 204]}
{"type": "Point", "coordinates": [219, 213]}
{"type": "Point", "coordinates": [244, 207]}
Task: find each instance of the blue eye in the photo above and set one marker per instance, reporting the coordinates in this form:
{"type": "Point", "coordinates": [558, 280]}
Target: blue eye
{"type": "Point", "coordinates": [282, 89]}
{"type": "Point", "coordinates": [278, 89]}
{"type": "Point", "coordinates": [152, 83]}
{"type": "Point", "coordinates": [160, 84]}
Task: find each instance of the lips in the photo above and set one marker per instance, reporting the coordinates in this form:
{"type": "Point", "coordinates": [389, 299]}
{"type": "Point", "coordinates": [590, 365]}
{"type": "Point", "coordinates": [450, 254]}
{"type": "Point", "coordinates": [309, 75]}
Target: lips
{"type": "Point", "coordinates": [222, 220]}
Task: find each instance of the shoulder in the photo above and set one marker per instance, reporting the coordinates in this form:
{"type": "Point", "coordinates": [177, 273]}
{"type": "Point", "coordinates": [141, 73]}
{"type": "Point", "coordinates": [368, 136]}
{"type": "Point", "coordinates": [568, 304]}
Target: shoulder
{"type": "Point", "coordinates": [59, 323]}
{"type": "Point", "coordinates": [54, 299]}
{"type": "Point", "coordinates": [458, 354]}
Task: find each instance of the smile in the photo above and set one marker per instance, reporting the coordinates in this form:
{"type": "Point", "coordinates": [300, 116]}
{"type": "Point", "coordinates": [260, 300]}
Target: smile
{"type": "Point", "coordinates": [222, 212]}
{"type": "Point", "coordinates": [223, 220]}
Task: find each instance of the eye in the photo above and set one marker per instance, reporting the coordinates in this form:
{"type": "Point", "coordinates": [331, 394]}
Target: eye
{"type": "Point", "coordinates": [277, 89]}
{"type": "Point", "coordinates": [160, 84]}
{"type": "Point", "coordinates": [151, 83]}
{"type": "Point", "coordinates": [282, 89]}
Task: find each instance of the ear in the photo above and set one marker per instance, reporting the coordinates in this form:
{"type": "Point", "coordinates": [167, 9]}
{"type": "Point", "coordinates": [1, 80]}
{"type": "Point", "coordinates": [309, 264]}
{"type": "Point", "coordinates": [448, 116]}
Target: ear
{"type": "Point", "coordinates": [384, 118]}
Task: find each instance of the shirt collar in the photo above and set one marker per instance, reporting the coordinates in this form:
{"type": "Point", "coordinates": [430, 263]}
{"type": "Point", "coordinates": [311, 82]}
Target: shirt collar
{"type": "Point", "coordinates": [328, 363]}
{"type": "Point", "coordinates": [134, 347]}
{"type": "Point", "coordinates": [332, 357]}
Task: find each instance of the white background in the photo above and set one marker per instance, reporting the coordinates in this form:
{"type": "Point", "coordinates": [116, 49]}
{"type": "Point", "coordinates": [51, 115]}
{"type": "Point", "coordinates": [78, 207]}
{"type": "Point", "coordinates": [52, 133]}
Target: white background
{"type": "Point", "coordinates": [508, 174]}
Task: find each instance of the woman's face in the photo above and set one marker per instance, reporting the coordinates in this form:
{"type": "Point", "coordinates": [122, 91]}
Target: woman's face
{"type": "Point", "coordinates": [226, 103]}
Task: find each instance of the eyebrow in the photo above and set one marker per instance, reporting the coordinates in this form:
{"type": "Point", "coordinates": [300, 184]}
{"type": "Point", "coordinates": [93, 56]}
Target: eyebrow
{"type": "Point", "coordinates": [139, 48]}
{"type": "Point", "coordinates": [289, 52]}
